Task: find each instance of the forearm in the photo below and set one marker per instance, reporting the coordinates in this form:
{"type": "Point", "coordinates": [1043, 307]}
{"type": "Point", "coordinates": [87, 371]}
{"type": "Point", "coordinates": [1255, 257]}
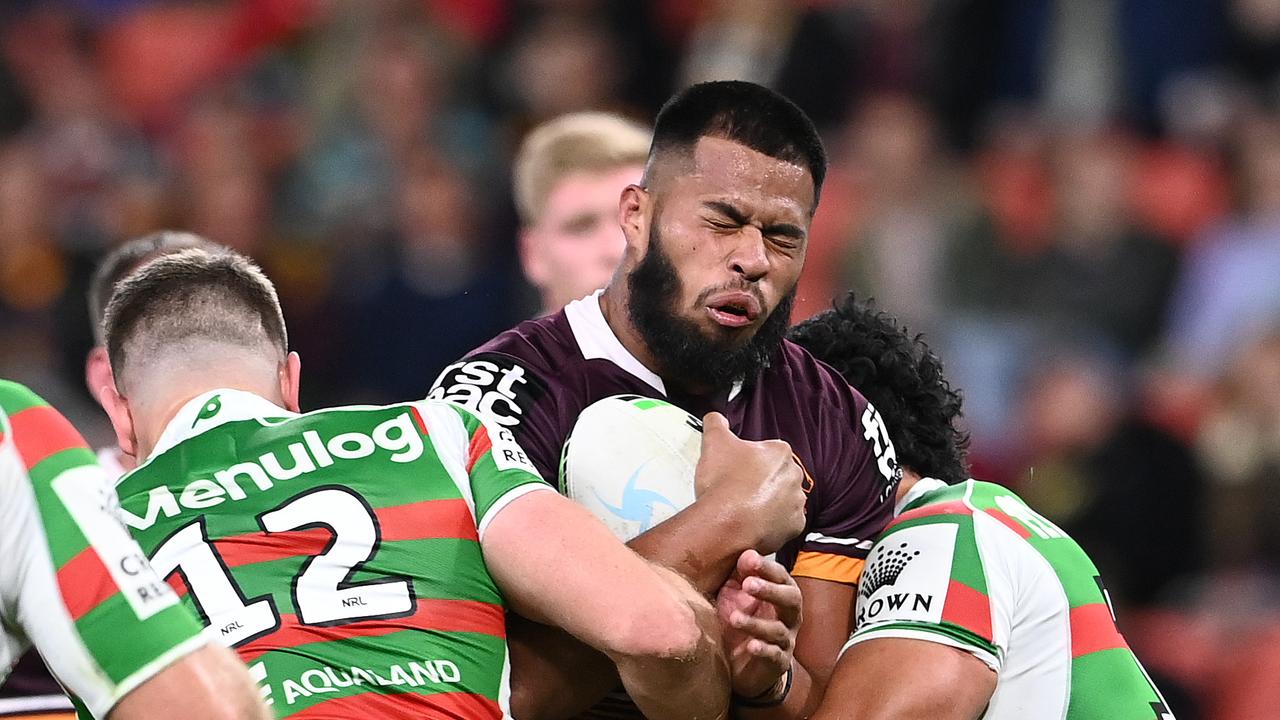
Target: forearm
{"type": "Point", "coordinates": [701, 543]}
{"type": "Point", "coordinates": [695, 687]}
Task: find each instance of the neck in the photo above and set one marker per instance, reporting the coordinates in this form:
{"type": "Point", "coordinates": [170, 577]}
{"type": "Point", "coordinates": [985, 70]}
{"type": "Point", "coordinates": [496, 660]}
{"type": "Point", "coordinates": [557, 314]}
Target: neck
{"type": "Point", "coordinates": [909, 479]}
{"type": "Point", "coordinates": [613, 305]}
{"type": "Point", "coordinates": [156, 406]}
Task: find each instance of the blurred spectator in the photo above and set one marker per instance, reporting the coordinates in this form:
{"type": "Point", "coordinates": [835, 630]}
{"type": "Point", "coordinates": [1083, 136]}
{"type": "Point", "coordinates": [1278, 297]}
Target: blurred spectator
{"type": "Point", "coordinates": [1240, 445]}
{"type": "Point", "coordinates": [1228, 295]}
{"type": "Point", "coordinates": [568, 177]}
{"type": "Point", "coordinates": [1091, 462]}
{"type": "Point", "coordinates": [436, 293]}
{"type": "Point", "coordinates": [905, 207]}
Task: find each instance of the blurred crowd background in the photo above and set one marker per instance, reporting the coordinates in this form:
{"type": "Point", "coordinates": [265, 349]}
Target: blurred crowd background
{"type": "Point", "coordinates": [1076, 201]}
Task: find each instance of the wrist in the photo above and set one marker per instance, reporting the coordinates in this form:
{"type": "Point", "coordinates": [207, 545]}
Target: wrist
{"type": "Point", "coordinates": [772, 696]}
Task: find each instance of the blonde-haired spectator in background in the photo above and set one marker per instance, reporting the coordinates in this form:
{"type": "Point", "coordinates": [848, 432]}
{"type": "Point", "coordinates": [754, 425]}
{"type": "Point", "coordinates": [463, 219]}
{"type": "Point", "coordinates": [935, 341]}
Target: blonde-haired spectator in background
{"type": "Point", "coordinates": [568, 176]}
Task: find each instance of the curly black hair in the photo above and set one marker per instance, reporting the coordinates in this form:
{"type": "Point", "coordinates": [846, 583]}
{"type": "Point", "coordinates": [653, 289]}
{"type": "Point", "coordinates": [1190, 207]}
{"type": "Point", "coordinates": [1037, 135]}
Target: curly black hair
{"type": "Point", "coordinates": [900, 376]}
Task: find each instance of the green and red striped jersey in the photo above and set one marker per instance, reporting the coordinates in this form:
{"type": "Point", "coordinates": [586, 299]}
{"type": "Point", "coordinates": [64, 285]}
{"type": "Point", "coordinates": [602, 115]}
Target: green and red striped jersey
{"type": "Point", "coordinates": [338, 551]}
{"type": "Point", "coordinates": [73, 582]}
{"type": "Point", "coordinates": [973, 567]}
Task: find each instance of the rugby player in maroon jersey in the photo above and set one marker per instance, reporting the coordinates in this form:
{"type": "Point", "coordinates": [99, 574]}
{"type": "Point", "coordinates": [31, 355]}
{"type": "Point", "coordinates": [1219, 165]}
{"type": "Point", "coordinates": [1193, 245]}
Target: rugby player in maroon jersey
{"type": "Point", "coordinates": [716, 236]}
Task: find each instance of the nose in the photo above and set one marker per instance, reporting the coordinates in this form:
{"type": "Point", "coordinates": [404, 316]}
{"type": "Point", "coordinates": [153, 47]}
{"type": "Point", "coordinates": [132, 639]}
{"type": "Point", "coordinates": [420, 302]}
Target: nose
{"type": "Point", "coordinates": [749, 258]}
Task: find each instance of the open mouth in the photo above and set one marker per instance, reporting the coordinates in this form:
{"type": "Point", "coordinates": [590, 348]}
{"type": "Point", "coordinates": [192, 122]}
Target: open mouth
{"type": "Point", "coordinates": [734, 310]}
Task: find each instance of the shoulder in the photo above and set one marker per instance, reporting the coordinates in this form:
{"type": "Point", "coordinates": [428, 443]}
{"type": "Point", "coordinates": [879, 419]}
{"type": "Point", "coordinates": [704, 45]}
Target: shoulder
{"type": "Point", "coordinates": [812, 377]}
{"type": "Point", "coordinates": [541, 343]}
{"type": "Point", "coordinates": [15, 397]}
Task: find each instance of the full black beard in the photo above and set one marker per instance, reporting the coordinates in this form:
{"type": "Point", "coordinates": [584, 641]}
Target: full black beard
{"type": "Point", "coordinates": [689, 357]}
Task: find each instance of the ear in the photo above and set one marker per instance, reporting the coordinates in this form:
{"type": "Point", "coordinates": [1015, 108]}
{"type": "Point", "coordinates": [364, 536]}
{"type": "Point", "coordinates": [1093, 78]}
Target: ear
{"type": "Point", "coordinates": [291, 381]}
{"type": "Point", "coordinates": [531, 260]}
{"type": "Point", "coordinates": [634, 215]}
{"type": "Point", "coordinates": [97, 374]}
{"type": "Point", "coordinates": [121, 415]}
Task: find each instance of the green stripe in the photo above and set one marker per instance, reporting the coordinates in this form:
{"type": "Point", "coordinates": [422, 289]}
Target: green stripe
{"type": "Point", "coordinates": [15, 398]}
{"type": "Point", "coordinates": [489, 484]}
{"type": "Point", "coordinates": [1109, 684]}
{"type": "Point", "coordinates": [478, 658]}
{"type": "Point", "coordinates": [121, 644]}
{"type": "Point", "coordinates": [64, 537]}
{"type": "Point", "coordinates": [943, 628]}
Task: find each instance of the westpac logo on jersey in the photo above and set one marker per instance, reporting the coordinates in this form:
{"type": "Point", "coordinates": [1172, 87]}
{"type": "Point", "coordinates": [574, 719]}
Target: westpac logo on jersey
{"type": "Point", "coordinates": [907, 576]}
{"type": "Point", "coordinates": [491, 385]}
{"type": "Point", "coordinates": [399, 437]}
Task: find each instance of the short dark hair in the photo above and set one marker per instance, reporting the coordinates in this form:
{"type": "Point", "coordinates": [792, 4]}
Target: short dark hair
{"type": "Point", "coordinates": [205, 294]}
{"type": "Point", "coordinates": [125, 259]}
{"type": "Point", "coordinates": [746, 113]}
{"type": "Point", "coordinates": [900, 376]}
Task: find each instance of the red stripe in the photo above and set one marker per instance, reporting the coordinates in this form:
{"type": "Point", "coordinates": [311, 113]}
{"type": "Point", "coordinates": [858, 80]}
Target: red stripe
{"type": "Point", "coordinates": [450, 518]}
{"type": "Point", "coordinates": [428, 519]}
{"type": "Point", "coordinates": [954, 507]}
{"type": "Point", "coordinates": [968, 608]}
{"type": "Point", "coordinates": [85, 583]}
{"type": "Point", "coordinates": [1009, 522]}
{"type": "Point", "coordinates": [178, 584]}
{"type": "Point", "coordinates": [256, 547]}
{"type": "Point", "coordinates": [436, 615]}
{"type": "Point", "coordinates": [40, 431]}
{"type": "Point", "coordinates": [1093, 629]}
{"type": "Point", "coordinates": [405, 704]}
{"type": "Point", "coordinates": [417, 420]}
{"type": "Point", "coordinates": [480, 444]}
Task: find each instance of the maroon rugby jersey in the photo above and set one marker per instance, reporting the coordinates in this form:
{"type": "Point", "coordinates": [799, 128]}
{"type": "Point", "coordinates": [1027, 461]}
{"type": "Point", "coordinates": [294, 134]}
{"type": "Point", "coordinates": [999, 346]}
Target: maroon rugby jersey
{"type": "Point", "coordinates": [537, 377]}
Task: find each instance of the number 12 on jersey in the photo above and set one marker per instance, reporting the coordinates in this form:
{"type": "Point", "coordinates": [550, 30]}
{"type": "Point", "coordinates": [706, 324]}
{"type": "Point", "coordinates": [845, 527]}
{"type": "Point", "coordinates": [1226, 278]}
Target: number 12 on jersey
{"type": "Point", "coordinates": [322, 591]}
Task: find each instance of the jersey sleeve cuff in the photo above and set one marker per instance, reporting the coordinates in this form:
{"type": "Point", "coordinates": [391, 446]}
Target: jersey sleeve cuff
{"type": "Point", "coordinates": [828, 566]}
{"type": "Point", "coordinates": [150, 670]}
{"type": "Point", "coordinates": [924, 633]}
{"type": "Point", "coordinates": [534, 485]}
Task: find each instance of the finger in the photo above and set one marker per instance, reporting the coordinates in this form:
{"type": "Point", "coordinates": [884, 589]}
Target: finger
{"type": "Point", "coordinates": [774, 632]}
{"type": "Point", "coordinates": [713, 423]}
{"type": "Point", "coordinates": [749, 563]}
{"type": "Point", "coordinates": [769, 653]}
{"type": "Point", "coordinates": [786, 600]}
{"type": "Point", "coordinates": [770, 570]}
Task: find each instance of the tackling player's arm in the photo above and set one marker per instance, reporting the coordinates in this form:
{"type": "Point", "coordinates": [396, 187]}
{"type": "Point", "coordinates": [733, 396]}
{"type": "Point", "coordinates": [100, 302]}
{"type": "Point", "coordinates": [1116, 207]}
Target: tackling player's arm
{"type": "Point", "coordinates": [557, 565]}
{"type": "Point", "coordinates": [910, 657]}
{"type": "Point", "coordinates": [903, 679]}
{"type": "Point", "coordinates": [82, 591]}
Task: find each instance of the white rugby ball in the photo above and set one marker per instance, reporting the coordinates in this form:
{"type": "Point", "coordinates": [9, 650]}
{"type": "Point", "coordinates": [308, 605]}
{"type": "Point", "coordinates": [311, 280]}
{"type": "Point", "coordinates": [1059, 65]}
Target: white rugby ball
{"type": "Point", "coordinates": [630, 461]}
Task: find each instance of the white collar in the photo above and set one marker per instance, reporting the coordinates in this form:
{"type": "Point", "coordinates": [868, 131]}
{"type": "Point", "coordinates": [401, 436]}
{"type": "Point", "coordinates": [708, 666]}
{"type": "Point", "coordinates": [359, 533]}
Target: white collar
{"type": "Point", "coordinates": [922, 486]}
{"type": "Point", "coordinates": [596, 340]}
{"type": "Point", "coordinates": [211, 409]}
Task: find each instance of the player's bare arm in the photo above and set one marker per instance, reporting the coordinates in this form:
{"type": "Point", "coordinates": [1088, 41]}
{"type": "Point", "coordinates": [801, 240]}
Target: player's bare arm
{"type": "Point", "coordinates": [208, 684]}
{"type": "Point", "coordinates": [750, 496]}
{"type": "Point", "coordinates": [648, 621]}
{"type": "Point", "coordinates": [900, 678]}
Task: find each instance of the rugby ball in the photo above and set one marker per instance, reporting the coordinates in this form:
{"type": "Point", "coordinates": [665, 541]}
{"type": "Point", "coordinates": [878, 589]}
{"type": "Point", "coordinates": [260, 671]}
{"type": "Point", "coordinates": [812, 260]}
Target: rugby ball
{"type": "Point", "coordinates": [630, 461]}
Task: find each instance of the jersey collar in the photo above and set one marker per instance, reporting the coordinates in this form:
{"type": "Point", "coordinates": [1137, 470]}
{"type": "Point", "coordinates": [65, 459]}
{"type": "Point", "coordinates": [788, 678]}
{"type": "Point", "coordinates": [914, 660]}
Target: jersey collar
{"type": "Point", "coordinates": [597, 341]}
{"type": "Point", "coordinates": [211, 409]}
{"type": "Point", "coordinates": [922, 487]}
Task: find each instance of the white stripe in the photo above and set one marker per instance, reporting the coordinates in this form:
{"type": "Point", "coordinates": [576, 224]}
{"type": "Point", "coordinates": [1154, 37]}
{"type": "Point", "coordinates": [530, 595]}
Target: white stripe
{"type": "Point", "coordinates": [927, 634]}
{"type": "Point", "coordinates": [35, 703]}
{"type": "Point", "coordinates": [828, 540]}
{"type": "Point", "coordinates": [506, 499]}
{"type": "Point", "coordinates": [452, 444]}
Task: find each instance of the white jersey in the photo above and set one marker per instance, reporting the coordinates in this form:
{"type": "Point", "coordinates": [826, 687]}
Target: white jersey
{"type": "Point", "coordinates": [973, 567]}
{"type": "Point", "coordinates": [73, 582]}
